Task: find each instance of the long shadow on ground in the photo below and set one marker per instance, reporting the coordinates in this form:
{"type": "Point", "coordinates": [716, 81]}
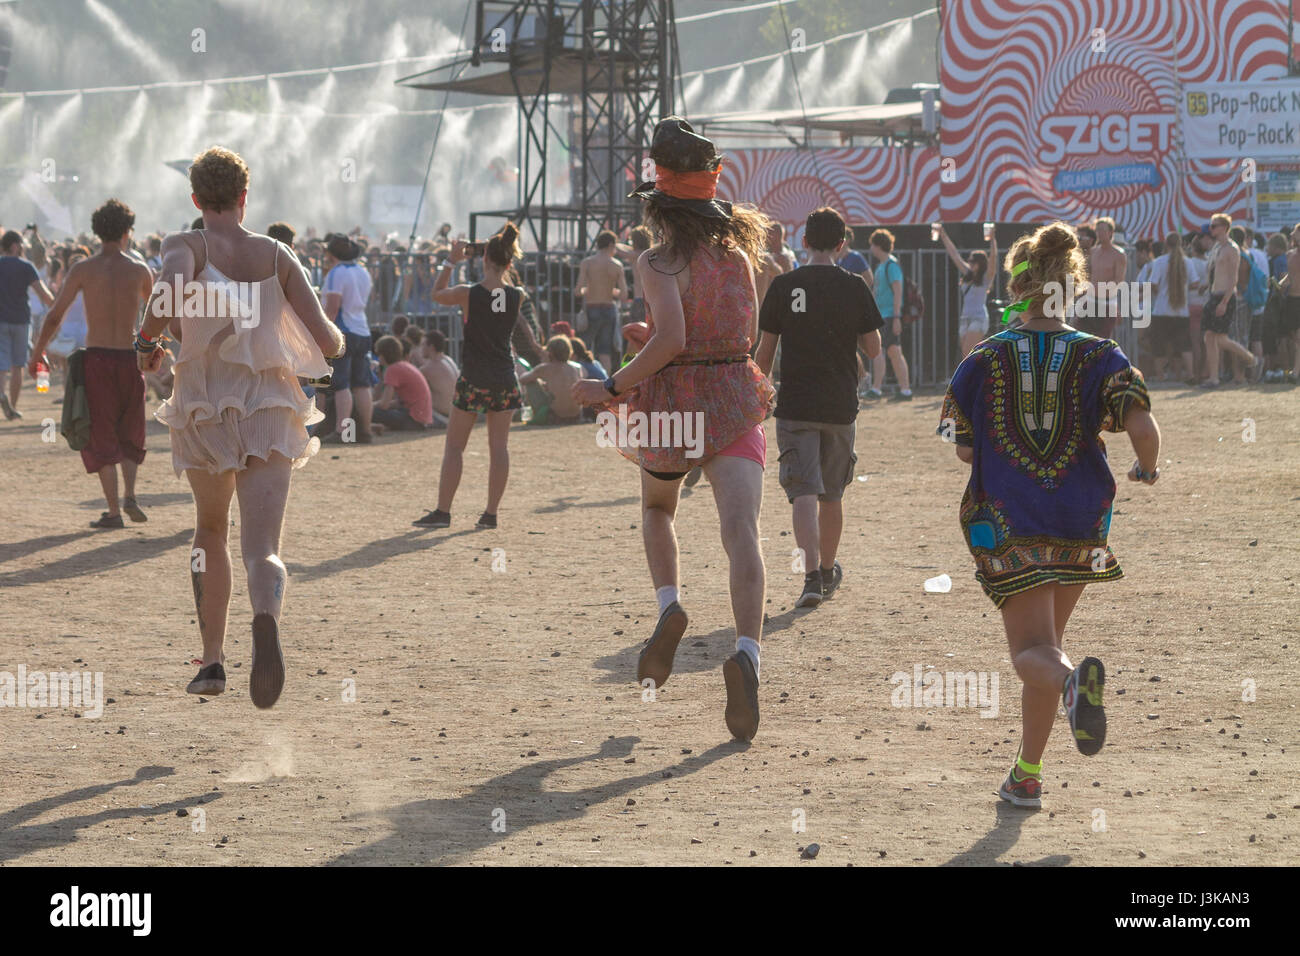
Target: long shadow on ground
{"type": "Point", "coordinates": [116, 552]}
{"type": "Point", "coordinates": [21, 549]}
{"type": "Point", "coordinates": [566, 502]}
{"type": "Point", "coordinates": [1001, 838]}
{"type": "Point", "coordinates": [373, 553]}
{"type": "Point", "coordinates": [447, 830]}
{"type": "Point", "coordinates": [18, 838]}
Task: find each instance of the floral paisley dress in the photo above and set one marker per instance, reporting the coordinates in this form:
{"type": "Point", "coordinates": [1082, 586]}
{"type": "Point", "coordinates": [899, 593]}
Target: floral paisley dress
{"type": "Point", "coordinates": [713, 375]}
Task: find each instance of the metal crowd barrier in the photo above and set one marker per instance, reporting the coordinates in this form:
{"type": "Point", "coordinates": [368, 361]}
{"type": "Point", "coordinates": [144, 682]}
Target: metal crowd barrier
{"type": "Point", "coordinates": [931, 345]}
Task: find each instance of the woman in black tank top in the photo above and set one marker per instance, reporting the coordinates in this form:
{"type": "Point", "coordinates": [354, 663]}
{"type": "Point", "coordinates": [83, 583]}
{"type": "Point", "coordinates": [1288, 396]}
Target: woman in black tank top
{"type": "Point", "coordinates": [487, 380]}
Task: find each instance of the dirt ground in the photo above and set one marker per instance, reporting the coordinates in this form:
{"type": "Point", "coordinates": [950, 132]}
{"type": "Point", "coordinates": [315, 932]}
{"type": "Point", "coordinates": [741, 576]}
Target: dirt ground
{"type": "Point", "coordinates": [496, 718]}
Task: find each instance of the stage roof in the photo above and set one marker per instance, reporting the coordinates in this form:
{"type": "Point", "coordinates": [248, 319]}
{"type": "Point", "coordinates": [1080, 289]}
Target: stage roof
{"type": "Point", "coordinates": [895, 119]}
{"type": "Point", "coordinates": [494, 77]}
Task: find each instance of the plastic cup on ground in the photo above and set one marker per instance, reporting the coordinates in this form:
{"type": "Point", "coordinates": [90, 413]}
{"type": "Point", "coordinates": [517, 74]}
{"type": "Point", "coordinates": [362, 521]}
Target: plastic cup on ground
{"type": "Point", "coordinates": [940, 585]}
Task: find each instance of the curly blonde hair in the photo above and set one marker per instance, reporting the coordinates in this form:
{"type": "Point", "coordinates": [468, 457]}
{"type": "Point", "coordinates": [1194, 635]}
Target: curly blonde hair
{"type": "Point", "coordinates": [1054, 256]}
{"type": "Point", "coordinates": [218, 177]}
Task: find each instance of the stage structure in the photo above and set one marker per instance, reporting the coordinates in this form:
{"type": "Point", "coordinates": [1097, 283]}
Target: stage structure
{"type": "Point", "coordinates": [610, 65]}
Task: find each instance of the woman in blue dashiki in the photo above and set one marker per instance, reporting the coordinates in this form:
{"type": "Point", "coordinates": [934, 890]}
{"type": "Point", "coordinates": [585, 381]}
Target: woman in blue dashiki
{"type": "Point", "coordinates": [1025, 410]}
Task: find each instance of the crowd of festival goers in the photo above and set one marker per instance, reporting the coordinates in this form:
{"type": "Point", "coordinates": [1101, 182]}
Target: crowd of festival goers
{"type": "Point", "coordinates": [384, 295]}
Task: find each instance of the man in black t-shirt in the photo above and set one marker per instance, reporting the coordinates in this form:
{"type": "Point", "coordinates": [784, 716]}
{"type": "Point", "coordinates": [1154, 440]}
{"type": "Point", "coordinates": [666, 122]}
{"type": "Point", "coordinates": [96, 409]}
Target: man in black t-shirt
{"type": "Point", "coordinates": [821, 314]}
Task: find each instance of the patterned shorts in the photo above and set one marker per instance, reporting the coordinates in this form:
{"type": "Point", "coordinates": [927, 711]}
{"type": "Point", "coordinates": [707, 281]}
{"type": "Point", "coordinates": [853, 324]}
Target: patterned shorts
{"type": "Point", "coordinates": [475, 398]}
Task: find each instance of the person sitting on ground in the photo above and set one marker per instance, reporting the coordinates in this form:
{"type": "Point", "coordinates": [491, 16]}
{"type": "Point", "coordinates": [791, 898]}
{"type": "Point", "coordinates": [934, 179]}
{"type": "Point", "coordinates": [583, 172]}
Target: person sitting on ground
{"type": "Point", "coordinates": [525, 339]}
{"type": "Point", "coordinates": [413, 339]}
{"type": "Point", "coordinates": [550, 385]}
{"type": "Point", "coordinates": [397, 328]}
{"type": "Point", "coordinates": [590, 367]}
{"type": "Point", "coordinates": [440, 372]}
{"type": "Point", "coordinates": [406, 404]}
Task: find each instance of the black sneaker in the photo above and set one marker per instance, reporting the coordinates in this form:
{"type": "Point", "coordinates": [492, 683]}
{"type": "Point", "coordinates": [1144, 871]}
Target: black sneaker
{"type": "Point", "coordinates": [831, 579]}
{"type": "Point", "coordinates": [812, 590]}
{"type": "Point", "coordinates": [901, 397]}
{"type": "Point", "coordinates": [1083, 705]}
{"type": "Point", "coordinates": [434, 519]}
{"type": "Point", "coordinates": [107, 520]}
{"type": "Point", "coordinates": [486, 520]}
{"type": "Point", "coordinates": [873, 395]}
{"type": "Point", "coordinates": [209, 681]}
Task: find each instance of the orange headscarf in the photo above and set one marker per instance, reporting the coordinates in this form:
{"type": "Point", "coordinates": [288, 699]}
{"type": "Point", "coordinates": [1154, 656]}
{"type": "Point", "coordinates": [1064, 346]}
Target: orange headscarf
{"type": "Point", "coordinates": [702, 184]}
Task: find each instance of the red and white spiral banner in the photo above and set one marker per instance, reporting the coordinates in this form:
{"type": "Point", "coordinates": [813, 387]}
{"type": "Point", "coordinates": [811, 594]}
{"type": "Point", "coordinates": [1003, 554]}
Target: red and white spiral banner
{"type": "Point", "coordinates": [866, 185]}
{"type": "Point", "coordinates": [1070, 109]}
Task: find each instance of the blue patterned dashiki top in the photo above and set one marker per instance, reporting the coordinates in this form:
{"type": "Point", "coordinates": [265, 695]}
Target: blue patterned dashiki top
{"type": "Point", "coordinates": [1031, 405]}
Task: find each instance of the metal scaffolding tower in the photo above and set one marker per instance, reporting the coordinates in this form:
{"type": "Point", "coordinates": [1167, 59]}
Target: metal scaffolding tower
{"type": "Point", "coordinates": [610, 64]}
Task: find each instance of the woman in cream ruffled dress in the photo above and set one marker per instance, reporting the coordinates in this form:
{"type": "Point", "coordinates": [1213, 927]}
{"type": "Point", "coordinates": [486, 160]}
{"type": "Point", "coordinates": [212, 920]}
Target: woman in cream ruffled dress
{"type": "Point", "coordinates": [237, 415]}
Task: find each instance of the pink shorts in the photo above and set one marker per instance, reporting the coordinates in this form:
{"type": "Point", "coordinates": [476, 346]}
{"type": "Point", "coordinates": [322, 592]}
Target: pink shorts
{"type": "Point", "coordinates": [751, 445]}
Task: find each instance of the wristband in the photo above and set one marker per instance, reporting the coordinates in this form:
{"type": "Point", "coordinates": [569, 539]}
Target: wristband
{"type": "Point", "coordinates": [143, 345]}
{"type": "Point", "coordinates": [610, 387]}
{"type": "Point", "coordinates": [1143, 475]}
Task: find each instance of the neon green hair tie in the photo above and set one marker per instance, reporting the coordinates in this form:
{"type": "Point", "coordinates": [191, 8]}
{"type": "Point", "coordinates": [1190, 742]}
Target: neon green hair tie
{"type": "Point", "coordinates": [1018, 268]}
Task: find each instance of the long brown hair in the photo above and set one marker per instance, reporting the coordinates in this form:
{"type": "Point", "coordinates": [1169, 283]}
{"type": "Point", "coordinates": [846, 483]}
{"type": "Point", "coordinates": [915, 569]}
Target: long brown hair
{"type": "Point", "coordinates": [683, 232]}
{"type": "Point", "coordinates": [503, 248]}
{"type": "Point", "coordinates": [1177, 272]}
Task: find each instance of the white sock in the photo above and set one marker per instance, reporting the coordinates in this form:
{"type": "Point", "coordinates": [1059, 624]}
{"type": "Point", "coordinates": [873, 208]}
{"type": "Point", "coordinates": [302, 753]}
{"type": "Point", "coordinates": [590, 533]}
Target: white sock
{"type": "Point", "coordinates": [666, 595]}
{"type": "Point", "coordinates": [750, 647]}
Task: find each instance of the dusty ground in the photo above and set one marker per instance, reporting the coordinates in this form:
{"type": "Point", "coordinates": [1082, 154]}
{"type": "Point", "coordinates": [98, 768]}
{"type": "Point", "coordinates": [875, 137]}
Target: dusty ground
{"type": "Point", "coordinates": [487, 697]}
